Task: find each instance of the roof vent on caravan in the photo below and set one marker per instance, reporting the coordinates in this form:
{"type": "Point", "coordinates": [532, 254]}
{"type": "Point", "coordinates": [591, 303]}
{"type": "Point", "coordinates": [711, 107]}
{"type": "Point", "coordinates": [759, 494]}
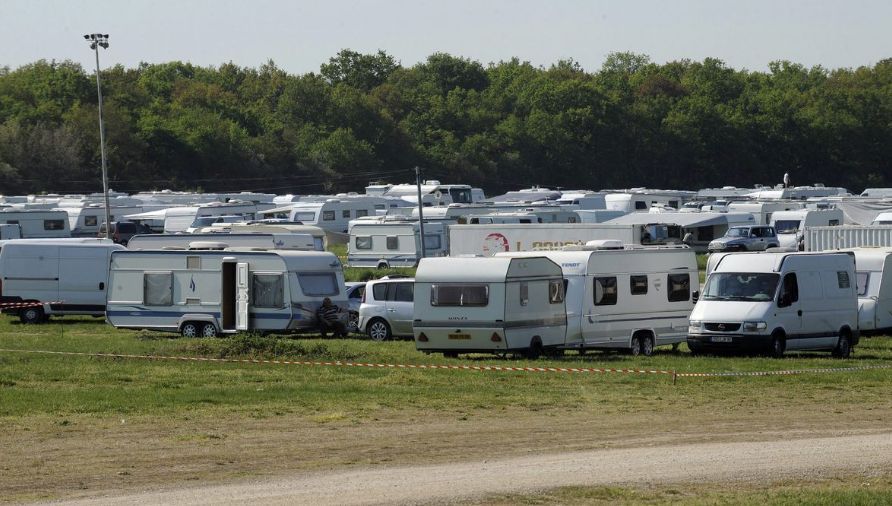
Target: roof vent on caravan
{"type": "Point", "coordinates": [603, 244]}
{"type": "Point", "coordinates": [207, 245]}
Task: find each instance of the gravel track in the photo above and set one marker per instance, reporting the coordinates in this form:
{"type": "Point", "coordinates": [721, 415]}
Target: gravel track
{"type": "Point", "coordinates": [761, 461]}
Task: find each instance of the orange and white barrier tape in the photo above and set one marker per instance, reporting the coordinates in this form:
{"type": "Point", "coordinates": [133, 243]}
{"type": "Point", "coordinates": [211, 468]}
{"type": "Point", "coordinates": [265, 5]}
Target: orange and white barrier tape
{"type": "Point", "coordinates": [462, 367]}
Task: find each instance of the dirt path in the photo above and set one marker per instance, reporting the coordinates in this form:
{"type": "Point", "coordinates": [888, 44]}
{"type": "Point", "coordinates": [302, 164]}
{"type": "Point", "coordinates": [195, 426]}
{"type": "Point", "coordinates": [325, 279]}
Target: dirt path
{"type": "Point", "coordinates": [714, 462]}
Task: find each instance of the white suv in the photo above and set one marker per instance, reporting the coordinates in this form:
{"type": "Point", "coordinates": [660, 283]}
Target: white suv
{"type": "Point", "coordinates": [387, 308]}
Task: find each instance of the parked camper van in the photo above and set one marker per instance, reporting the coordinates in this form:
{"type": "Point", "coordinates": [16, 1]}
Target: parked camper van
{"type": "Point", "coordinates": [774, 302]}
{"type": "Point", "coordinates": [205, 293]}
{"type": "Point", "coordinates": [67, 277]}
{"type": "Point", "coordinates": [626, 297]}
{"type": "Point", "coordinates": [874, 281]}
{"type": "Point", "coordinates": [383, 244]}
{"type": "Point", "coordinates": [489, 305]}
{"type": "Point", "coordinates": [791, 225]}
{"type": "Point", "coordinates": [332, 214]}
{"type": "Point", "coordinates": [38, 224]}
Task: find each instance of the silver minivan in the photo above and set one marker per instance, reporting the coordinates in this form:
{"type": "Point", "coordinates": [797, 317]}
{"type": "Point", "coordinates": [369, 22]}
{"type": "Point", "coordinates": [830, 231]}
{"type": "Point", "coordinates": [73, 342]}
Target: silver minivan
{"type": "Point", "coordinates": [387, 308]}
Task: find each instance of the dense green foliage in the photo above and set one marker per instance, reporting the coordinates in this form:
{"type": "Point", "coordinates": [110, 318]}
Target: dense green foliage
{"type": "Point", "coordinates": [684, 124]}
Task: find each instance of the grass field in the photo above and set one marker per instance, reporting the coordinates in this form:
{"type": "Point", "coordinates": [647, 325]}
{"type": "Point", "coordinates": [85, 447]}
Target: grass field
{"type": "Point", "coordinates": [204, 414]}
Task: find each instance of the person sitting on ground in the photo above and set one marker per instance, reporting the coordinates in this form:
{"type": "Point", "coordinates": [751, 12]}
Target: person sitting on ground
{"type": "Point", "coordinates": [329, 319]}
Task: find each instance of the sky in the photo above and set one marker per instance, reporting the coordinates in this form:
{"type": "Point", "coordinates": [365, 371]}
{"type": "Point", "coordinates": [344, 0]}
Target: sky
{"type": "Point", "coordinates": [300, 35]}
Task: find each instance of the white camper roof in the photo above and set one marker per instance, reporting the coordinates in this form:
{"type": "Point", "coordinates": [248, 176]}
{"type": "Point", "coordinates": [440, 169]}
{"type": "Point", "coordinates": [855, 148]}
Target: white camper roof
{"type": "Point", "coordinates": [683, 219]}
{"type": "Point", "coordinates": [484, 269]}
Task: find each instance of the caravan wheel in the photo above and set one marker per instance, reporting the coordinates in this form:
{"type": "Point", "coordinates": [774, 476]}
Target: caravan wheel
{"type": "Point", "coordinates": [32, 315]}
{"type": "Point", "coordinates": [209, 330]}
{"type": "Point", "coordinates": [647, 346]}
{"type": "Point", "coordinates": [190, 329]}
{"type": "Point", "coordinates": [635, 348]}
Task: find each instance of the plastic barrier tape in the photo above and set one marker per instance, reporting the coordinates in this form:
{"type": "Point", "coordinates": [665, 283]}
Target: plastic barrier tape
{"type": "Point", "coordinates": [495, 368]}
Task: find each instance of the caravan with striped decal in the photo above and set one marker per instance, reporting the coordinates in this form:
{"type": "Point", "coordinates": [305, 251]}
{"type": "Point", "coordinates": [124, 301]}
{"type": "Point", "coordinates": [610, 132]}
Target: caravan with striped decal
{"type": "Point", "coordinates": [626, 297]}
{"type": "Point", "coordinates": [206, 293]}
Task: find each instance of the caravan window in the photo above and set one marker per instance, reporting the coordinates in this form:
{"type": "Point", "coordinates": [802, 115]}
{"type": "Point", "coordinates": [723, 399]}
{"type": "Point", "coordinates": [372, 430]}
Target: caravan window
{"type": "Point", "coordinates": [638, 284]}
{"type": "Point", "coordinates": [679, 287]}
{"type": "Point", "coordinates": [91, 221]}
{"type": "Point", "coordinates": [308, 217]}
{"type": "Point", "coordinates": [362, 212]}
{"type": "Point", "coordinates": [556, 291]}
{"type": "Point", "coordinates": [862, 279]}
{"type": "Point", "coordinates": [393, 242]}
{"type": "Point", "coordinates": [345, 213]}
{"type": "Point", "coordinates": [318, 284]}
{"type": "Point", "coordinates": [158, 289]}
{"type": "Point", "coordinates": [268, 290]}
{"type": "Point", "coordinates": [328, 215]}
{"type": "Point", "coordinates": [462, 294]}
{"type": "Point", "coordinates": [640, 204]}
{"type": "Point", "coordinates": [12, 222]}
{"type": "Point", "coordinates": [605, 291]}
{"type": "Point", "coordinates": [432, 242]}
{"type": "Point", "coordinates": [363, 242]}
{"type": "Point", "coordinates": [54, 224]}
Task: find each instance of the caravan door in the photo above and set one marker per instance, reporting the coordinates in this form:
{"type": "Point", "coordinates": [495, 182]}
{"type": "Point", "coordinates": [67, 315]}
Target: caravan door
{"type": "Point", "coordinates": [241, 296]}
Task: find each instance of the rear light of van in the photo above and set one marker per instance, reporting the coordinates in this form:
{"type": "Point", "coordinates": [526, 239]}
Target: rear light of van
{"type": "Point", "coordinates": [495, 337]}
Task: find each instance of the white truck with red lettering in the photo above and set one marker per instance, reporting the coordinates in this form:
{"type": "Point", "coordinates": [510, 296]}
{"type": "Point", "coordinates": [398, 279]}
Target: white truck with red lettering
{"type": "Point", "coordinates": [489, 239]}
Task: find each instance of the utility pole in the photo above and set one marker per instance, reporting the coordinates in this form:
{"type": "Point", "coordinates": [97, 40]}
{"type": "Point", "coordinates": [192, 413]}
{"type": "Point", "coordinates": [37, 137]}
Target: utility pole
{"type": "Point", "coordinates": [420, 210]}
{"type": "Point", "coordinates": [98, 40]}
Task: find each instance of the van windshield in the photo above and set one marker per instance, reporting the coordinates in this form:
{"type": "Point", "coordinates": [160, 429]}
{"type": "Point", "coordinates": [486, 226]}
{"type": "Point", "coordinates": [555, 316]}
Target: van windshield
{"type": "Point", "coordinates": [742, 286]}
{"type": "Point", "coordinates": [787, 226]}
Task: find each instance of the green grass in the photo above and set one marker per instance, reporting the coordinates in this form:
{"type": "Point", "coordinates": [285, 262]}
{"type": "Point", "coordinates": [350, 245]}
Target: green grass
{"type": "Point", "coordinates": [33, 384]}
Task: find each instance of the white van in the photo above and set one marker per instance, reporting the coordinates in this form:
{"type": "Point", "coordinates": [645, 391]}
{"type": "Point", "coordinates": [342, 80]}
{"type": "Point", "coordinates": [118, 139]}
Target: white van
{"type": "Point", "coordinates": [772, 302]}
{"type": "Point", "coordinates": [791, 225]}
{"type": "Point", "coordinates": [205, 293]}
{"type": "Point", "coordinates": [626, 297]}
{"type": "Point", "coordinates": [489, 305]}
{"type": "Point", "coordinates": [63, 277]}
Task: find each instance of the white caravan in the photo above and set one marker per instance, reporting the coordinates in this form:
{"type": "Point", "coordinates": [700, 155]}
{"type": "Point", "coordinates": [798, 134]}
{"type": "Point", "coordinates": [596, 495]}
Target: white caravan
{"type": "Point", "coordinates": [882, 219]}
{"type": "Point", "coordinates": [85, 221]}
{"type": "Point", "coordinates": [773, 302]}
{"type": "Point", "coordinates": [205, 293]}
{"type": "Point", "coordinates": [432, 192]}
{"type": "Point", "coordinates": [38, 224]}
{"type": "Point", "coordinates": [626, 297]}
{"type": "Point", "coordinates": [63, 277]}
{"type": "Point", "coordinates": [487, 240]}
{"type": "Point", "coordinates": [763, 211]}
{"type": "Point", "coordinates": [332, 214]}
{"type": "Point", "coordinates": [642, 199]}
{"type": "Point", "coordinates": [489, 305]}
{"type": "Point", "coordinates": [382, 244]}
{"type": "Point", "coordinates": [320, 240]}
{"type": "Point", "coordinates": [791, 226]}
{"type": "Point", "coordinates": [874, 281]}
{"type": "Point", "coordinates": [194, 241]}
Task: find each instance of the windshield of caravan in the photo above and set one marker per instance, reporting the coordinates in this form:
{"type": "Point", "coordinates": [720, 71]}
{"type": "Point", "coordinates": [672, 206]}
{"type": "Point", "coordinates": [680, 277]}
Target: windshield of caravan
{"type": "Point", "coordinates": [305, 217]}
{"type": "Point", "coordinates": [460, 196]}
{"type": "Point", "coordinates": [455, 294]}
{"type": "Point", "coordinates": [745, 286]}
{"type": "Point", "coordinates": [787, 226]}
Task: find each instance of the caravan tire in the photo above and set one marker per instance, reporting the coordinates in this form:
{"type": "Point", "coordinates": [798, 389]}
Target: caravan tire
{"type": "Point", "coordinates": [379, 330]}
{"type": "Point", "coordinates": [208, 330]}
{"type": "Point", "coordinates": [189, 329]}
{"type": "Point", "coordinates": [635, 348]}
{"type": "Point", "coordinates": [32, 315]}
{"type": "Point", "coordinates": [647, 345]}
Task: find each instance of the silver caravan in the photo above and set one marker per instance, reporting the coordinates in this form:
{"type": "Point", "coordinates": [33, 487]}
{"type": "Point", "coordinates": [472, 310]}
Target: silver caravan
{"type": "Point", "coordinates": [489, 305]}
{"type": "Point", "coordinates": [38, 224]}
{"type": "Point", "coordinates": [190, 241]}
{"type": "Point", "coordinates": [382, 244]}
{"type": "Point", "coordinates": [631, 298]}
{"type": "Point", "coordinates": [205, 293]}
{"type": "Point", "coordinates": [60, 276]}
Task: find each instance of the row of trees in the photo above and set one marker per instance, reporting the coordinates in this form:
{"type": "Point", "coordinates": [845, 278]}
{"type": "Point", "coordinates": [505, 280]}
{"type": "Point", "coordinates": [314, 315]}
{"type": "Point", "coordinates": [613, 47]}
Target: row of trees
{"type": "Point", "coordinates": [683, 124]}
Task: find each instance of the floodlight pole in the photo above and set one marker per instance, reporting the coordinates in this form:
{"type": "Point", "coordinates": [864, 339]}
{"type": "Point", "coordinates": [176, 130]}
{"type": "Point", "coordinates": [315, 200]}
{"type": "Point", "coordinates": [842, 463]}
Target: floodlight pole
{"type": "Point", "coordinates": [420, 210]}
{"type": "Point", "coordinates": [97, 40]}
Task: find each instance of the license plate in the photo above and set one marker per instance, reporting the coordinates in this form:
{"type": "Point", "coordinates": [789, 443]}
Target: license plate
{"type": "Point", "coordinates": [721, 339]}
{"type": "Point", "coordinates": [461, 337]}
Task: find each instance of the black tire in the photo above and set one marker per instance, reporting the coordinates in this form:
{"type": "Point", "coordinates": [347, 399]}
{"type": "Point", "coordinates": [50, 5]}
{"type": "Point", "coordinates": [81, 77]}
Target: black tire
{"type": "Point", "coordinates": [535, 349]}
{"type": "Point", "coordinates": [647, 345]}
{"type": "Point", "coordinates": [32, 315]}
{"type": "Point", "coordinates": [379, 330]}
{"type": "Point", "coordinates": [190, 329]}
{"type": "Point", "coordinates": [843, 346]}
{"type": "Point", "coordinates": [675, 346]}
{"type": "Point", "coordinates": [208, 330]}
{"type": "Point", "coordinates": [382, 266]}
{"type": "Point", "coordinates": [635, 348]}
{"type": "Point", "coordinates": [778, 345]}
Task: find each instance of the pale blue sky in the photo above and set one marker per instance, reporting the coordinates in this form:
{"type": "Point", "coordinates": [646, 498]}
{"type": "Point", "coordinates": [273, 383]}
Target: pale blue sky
{"type": "Point", "coordinates": [300, 35]}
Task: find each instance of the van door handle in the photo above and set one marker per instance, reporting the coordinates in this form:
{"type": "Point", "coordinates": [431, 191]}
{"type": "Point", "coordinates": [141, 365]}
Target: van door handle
{"type": "Point", "coordinates": [102, 286]}
{"type": "Point", "coordinates": [799, 312]}
{"type": "Point", "coordinates": [394, 310]}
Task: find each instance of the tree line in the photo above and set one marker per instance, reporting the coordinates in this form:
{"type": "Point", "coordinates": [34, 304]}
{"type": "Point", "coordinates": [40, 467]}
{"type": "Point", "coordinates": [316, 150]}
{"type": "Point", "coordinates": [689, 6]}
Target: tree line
{"type": "Point", "coordinates": [507, 125]}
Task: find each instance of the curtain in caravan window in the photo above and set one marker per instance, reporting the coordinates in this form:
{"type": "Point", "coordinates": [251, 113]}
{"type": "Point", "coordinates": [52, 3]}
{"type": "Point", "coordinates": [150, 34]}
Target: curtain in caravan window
{"type": "Point", "coordinates": [318, 284]}
{"type": "Point", "coordinates": [268, 290]}
{"type": "Point", "coordinates": [158, 289]}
